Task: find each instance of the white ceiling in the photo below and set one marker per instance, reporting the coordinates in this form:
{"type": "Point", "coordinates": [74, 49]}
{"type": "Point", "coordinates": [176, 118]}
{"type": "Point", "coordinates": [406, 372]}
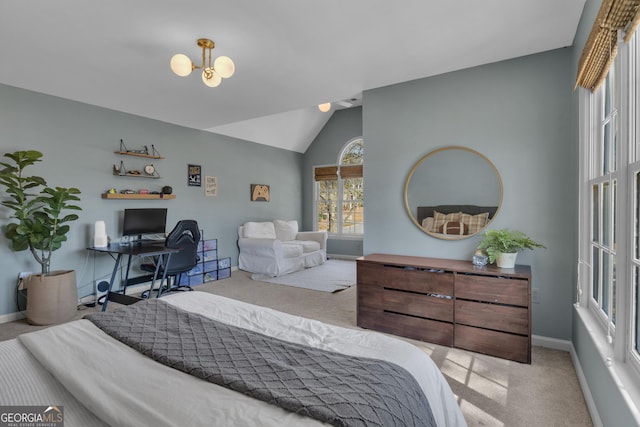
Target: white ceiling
{"type": "Point", "coordinates": [290, 55]}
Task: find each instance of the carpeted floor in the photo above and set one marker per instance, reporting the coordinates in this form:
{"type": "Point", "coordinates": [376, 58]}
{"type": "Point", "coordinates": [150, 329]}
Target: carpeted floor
{"type": "Point", "coordinates": [333, 276]}
{"type": "Point", "coordinates": [491, 392]}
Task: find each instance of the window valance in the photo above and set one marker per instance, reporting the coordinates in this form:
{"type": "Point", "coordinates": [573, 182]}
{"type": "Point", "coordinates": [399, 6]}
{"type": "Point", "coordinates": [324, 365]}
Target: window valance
{"type": "Point", "coordinates": [326, 173]}
{"type": "Point", "coordinates": [600, 49]}
{"type": "Point", "coordinates": [351, 171]}
{"type": "Point", "coordinates": [330, 173]}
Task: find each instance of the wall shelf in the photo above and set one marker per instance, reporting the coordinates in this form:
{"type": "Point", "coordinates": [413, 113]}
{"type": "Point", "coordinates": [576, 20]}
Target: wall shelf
{"type": "Point", "coordinates": [135, 175]}
{"type": "Point", "coordinates": [138, 196]}
{"type": "Point", "coordinates": [132, 153]}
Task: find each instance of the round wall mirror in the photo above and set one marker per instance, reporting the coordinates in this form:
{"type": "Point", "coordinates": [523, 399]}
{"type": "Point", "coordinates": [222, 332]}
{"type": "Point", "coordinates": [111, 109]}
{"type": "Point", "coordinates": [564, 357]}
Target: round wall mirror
{"type": "Point", "coordinates": [453, 193]}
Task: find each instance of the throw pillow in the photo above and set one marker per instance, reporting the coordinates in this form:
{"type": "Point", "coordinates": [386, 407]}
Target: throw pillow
{"type": "Point", "coordinates": [475, 223]}
{"type": "Point", "coordinates": [439, 218]}
{"type": "Point", "coordinates": [259, 230]}
{"type": "Point", "coordinates": [456, 228]}
{"type": "Point", "coordinates": [286, 230]}
{"type": "Point", "coordinates": [427, 223]}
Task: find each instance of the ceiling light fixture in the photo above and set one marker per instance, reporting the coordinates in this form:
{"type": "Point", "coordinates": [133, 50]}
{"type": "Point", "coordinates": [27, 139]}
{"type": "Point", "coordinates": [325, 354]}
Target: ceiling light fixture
{"type": "Point", "coordinates": [212, 75]}
{"type": "Point", "coordinates": [324, 107]}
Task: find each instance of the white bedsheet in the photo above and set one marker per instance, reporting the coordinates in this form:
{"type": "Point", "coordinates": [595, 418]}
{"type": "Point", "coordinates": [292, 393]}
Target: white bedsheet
{"type": "Point", "coordinates": [124, 388]}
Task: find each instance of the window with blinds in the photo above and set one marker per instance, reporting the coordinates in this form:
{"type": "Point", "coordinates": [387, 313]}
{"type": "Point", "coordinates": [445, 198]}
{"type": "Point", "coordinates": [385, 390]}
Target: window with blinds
{"type": "Point", "coordinates": [610, 190]}
{"type": "Point", "coordinates": [339, 189]}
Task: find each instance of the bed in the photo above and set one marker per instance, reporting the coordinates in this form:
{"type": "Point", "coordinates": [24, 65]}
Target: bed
{"type": "Point", "coordinates": [99, 380]}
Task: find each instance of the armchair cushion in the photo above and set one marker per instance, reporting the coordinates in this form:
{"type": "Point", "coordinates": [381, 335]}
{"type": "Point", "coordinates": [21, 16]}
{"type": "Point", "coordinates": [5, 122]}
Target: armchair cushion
{"type": "Point", "coordinates": [286, 230]}
{"type": "Point", "coordinates": [260, 230]}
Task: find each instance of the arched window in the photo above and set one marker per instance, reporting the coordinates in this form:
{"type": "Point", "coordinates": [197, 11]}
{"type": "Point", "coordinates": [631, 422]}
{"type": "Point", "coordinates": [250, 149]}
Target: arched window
{"type": "Point", "coordinates": [339, 206]}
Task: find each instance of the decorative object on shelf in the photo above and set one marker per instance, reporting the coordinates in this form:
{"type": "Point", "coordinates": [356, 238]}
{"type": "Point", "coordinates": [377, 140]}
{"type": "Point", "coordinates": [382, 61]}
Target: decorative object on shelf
{"type": "Point", "coordinates": [167, 190]}
{"type": "Point", "coordinates": [41, 227]}
{"type": "Point", "coordinates": [212, 73]}
{"type": "Point", "coordinates": [149, 171]}
{"type": "Point", "coordinates": [259, 193]}
{"type": "Point", "coordinates": [195, 175]}
{"type": "Point", "coordinates": [210, 186]}
{"type": "Point", "coordinates": [140, 153]}
{"type": "Point", "coordinates": [480, 259]}
{"type": "Point", "coordinates": [502, 246]}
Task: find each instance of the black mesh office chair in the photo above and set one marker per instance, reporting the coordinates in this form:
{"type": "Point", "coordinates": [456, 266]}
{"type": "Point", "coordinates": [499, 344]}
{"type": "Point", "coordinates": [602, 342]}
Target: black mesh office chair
{"type": "Point", "coordinates": [184, 236]}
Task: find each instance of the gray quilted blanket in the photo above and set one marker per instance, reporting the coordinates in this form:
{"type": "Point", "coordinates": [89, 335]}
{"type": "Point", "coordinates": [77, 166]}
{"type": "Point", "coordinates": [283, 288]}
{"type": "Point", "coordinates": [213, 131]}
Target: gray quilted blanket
{"type": "Point", "coordinates": [331, 387]}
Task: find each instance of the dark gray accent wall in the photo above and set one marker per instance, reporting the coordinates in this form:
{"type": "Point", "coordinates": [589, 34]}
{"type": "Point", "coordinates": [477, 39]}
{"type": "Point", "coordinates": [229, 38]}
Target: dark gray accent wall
{"type": "Point", "coordinates": [78, 142]}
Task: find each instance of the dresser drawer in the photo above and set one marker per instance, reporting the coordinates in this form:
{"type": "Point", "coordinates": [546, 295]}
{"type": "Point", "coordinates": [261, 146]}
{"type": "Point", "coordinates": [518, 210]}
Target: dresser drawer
{"type": "Point", "coordinates": [418, 305]}
{"type": "Point", "coordinates": [493, 316]}
{"type": "Point", "coordinates": [499, 344]}
{"type": "Point", "coordinates": [492, 289]}
{"type": "Point", "coordinates": [406, 278]}
{"type": "Point", "coordinates": [406, 326]}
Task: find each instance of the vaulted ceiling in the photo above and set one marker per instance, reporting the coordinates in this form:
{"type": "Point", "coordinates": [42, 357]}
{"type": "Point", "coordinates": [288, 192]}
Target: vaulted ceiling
{"type": "Point", "coordinates": [290, 55]}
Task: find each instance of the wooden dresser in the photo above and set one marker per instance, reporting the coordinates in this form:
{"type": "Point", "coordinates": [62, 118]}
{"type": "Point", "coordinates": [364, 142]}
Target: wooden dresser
{"type": "Point", "coordinates": [447, 302]}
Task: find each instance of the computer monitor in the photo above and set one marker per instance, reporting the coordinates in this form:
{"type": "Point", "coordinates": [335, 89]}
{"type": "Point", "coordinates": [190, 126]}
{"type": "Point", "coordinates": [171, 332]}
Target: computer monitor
{"type": "Point", "coordinates": [143, 221]}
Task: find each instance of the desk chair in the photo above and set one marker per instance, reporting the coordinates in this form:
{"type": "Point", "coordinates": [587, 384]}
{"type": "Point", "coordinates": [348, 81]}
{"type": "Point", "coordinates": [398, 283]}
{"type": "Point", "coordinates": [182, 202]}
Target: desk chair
{"type": "Point", "coordinates": [184, 236]}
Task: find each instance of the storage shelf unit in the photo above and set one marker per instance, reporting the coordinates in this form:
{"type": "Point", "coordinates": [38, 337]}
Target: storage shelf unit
{"type": "Point", "coordinates": [447, 302]}
{"type": "Point", "coordinates": [210, 267]}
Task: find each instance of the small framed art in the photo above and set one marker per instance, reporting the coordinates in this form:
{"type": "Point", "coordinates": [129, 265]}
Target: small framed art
{"type": "Point", "coordinates": [259, 193]}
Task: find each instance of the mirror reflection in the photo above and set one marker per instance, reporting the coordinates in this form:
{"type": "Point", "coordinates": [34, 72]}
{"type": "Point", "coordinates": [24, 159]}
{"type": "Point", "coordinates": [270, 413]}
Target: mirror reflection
{"type": "Point", "coordinates": [453, 193]}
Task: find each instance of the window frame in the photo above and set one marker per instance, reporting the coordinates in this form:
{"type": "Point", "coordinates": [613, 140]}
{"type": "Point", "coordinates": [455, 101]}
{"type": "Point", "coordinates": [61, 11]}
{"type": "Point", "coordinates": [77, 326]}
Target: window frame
{"type": "Point", "coordinates": [340, 196]}
{"type": "Point", "coordinates": [618, 339]}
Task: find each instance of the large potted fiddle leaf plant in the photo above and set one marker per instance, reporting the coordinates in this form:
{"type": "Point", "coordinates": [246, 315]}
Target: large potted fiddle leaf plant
{"type": "Point", "coordinates": [39, 224]}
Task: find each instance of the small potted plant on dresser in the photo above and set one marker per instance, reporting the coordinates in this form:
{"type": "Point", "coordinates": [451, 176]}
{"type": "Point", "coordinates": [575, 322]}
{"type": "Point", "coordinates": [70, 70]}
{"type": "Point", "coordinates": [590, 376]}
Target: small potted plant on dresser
{"type": "Point", "coordinates": [502, 246]}
{"type": "Point", "coordinates": [40, 225]}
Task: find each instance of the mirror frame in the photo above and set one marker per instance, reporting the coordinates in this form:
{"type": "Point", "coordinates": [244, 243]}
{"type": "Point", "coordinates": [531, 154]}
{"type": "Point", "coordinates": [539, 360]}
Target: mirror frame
{"type": "Point", "coordinates": [430, 154]}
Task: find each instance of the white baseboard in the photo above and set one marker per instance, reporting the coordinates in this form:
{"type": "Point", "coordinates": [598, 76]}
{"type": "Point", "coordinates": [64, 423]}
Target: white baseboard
{"type": "Point", "coordinates": [565, 345]}
{"type": "Point", "coordinates": [11, 317]}
{"type": "Point", "coordinates": [339, 256]}
{"type": "Point", "coordinates": [553, 343]}
{"type": "Point", "coordinates": [586, 391]}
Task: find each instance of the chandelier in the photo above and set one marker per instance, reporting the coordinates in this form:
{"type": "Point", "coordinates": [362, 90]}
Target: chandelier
{"type": "Point", "coordinates": [212, 74]}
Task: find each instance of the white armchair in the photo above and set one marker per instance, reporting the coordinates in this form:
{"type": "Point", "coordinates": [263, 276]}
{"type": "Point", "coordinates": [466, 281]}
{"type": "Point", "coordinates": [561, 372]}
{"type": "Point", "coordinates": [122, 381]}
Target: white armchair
{"type": "Point", "coordinates": [275, 248]}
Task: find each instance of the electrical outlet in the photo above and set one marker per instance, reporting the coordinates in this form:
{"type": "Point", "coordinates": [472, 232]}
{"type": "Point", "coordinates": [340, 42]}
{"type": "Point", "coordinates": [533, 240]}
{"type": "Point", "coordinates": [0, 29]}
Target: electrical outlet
{"type": "Point", "coordinates": [534, 295]}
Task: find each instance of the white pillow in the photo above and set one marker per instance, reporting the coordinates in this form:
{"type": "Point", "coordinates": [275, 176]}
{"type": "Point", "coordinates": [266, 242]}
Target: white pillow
{"type": "Point", "coordinates": [259, 230]}
{"type": "Point", "coordinates": [286, 230]}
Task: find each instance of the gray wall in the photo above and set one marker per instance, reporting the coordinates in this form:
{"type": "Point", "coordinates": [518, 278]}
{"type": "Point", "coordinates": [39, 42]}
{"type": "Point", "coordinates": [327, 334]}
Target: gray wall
{"type": "Point", "coordinates": [78, 142]}
{"type": "Point", "coordinates": [343, 126]}
{"type": "Point", "coordinates": [518, 114]}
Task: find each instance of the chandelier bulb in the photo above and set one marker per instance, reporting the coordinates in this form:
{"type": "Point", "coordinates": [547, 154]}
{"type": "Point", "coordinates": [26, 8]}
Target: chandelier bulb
{"type": "Point", "coordinates": [224, 66]}
{"type": "Point", "coordinates": [324, 107]}
{"type": "Point", "coordinates": [181, 65]}
{"type": "Point", "coordinates": [210, 77]}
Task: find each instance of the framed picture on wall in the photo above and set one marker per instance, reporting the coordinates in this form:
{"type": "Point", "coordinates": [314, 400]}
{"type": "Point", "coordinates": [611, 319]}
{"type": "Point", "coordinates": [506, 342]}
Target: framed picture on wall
{"type": "Point", "coordinates": [195, 175]}
{"type": "Point", "coordinates": [210, 186]}
{"type": "Point", "coordinates": [259, 193]}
